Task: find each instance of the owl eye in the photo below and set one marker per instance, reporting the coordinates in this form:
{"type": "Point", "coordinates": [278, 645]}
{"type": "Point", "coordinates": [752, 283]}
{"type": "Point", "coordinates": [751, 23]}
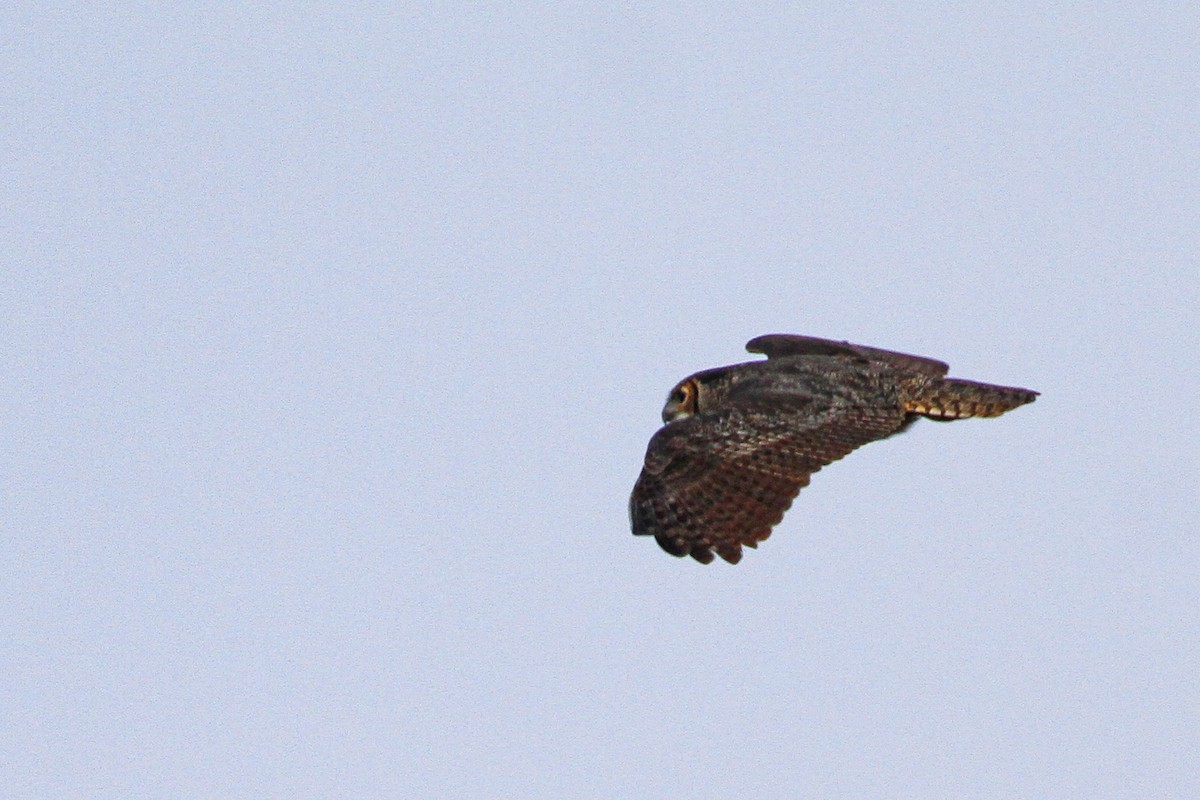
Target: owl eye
{"type": "Point", "coordinates": [687, 397]}
{"type": "Point", "coordinates": [682, 401]}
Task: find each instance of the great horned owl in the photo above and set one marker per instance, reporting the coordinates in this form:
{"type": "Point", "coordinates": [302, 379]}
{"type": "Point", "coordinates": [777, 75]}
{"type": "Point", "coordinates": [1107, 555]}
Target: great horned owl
{"type": "Point", "coordinates": [739, 442]}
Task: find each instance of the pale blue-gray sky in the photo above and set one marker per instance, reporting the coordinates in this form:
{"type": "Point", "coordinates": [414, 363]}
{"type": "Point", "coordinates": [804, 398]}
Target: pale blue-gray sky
{"type": "Point", "coordinates": [333, 337]}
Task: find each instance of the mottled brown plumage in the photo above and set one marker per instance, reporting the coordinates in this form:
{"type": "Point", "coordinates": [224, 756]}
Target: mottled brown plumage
{"type": "Point", "coordinates": [740, 441]}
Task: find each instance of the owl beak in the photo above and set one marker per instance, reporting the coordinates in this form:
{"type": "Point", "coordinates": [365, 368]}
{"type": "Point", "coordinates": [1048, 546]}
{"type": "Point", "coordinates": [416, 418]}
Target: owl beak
{"type": "Point", "coordinates": [673, 411]}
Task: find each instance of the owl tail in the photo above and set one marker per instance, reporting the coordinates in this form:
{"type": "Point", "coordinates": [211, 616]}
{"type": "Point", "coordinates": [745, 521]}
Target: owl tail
{"type": "Point", "coordinates": [952, 398]}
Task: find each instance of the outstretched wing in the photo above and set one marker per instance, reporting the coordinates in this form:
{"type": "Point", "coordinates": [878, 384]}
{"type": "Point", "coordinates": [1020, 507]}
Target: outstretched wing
{"type": "Point", "coordinates": [720, 480]}
{"type": "Point", "coordinates": [778, 345]}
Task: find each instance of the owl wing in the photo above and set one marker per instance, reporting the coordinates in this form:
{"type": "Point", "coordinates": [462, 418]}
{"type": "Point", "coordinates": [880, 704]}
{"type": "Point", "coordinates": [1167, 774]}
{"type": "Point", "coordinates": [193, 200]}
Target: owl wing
{"type": "Point", "coordinates": [779, 345]}
{"type": "Point", "coordinates": [722, 479]}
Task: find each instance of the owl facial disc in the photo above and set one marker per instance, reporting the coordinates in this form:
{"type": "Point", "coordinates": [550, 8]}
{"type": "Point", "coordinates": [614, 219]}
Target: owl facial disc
{"type": "Point", "coordinates": [681, 402]}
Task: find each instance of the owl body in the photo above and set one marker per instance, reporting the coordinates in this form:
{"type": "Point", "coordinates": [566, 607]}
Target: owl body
{"type": "Point", "coordinates": [739, 442]}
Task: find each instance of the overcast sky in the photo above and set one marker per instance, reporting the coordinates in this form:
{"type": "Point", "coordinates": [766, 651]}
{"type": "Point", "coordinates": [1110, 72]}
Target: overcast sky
{"type": "Point", "coordinates": [332, 338]}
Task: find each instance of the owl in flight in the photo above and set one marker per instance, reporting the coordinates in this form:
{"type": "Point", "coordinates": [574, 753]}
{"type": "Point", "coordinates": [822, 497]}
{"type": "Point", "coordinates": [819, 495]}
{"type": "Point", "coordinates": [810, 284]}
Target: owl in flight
{"type": "Point", "coordinates": [739, 442]}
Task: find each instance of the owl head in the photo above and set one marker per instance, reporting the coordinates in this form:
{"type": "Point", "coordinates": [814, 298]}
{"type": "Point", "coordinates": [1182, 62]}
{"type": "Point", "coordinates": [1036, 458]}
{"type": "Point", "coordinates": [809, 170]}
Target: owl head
{"type": "Point", "coordinates": [696, 393]}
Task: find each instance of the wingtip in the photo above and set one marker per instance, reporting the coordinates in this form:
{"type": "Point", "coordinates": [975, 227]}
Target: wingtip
{"type": "Point", "coordinates": [771, 344]}
{"type": "Point", "coordinates": [755, 345]}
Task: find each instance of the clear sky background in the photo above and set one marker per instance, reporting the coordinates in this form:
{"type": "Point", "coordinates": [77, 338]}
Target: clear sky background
{"type": "Point", "coordinates": [332, 338]}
